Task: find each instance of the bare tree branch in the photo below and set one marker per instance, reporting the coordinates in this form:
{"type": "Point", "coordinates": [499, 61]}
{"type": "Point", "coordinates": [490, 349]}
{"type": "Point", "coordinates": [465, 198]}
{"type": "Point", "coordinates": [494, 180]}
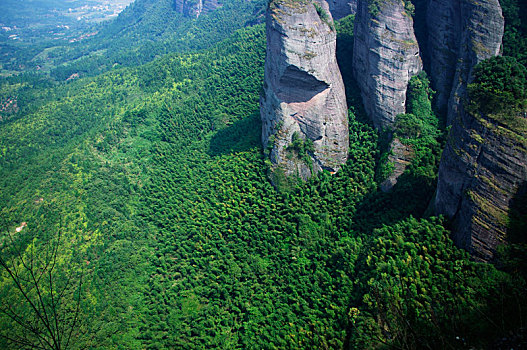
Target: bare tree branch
{"type": "Point", "coordinates": [35, 276]}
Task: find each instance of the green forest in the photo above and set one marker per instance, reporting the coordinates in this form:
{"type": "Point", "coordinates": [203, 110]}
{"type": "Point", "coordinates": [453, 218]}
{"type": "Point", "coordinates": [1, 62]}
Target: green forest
{"type": "Point", "coordinates": [136, 210]}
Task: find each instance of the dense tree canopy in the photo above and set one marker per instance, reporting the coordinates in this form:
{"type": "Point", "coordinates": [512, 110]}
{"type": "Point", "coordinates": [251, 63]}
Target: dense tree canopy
{"type": "Point", "coordinates": [155, 178]}
{"type": "Point", "coordinates": [499, 86]}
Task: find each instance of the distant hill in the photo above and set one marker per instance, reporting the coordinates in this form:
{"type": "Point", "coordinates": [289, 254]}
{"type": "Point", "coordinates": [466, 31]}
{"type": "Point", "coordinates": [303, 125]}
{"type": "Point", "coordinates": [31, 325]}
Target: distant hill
{"type": "Point", "coordinates": [32, 30]}
{"type": "Point", "coordinates": [143, 31]}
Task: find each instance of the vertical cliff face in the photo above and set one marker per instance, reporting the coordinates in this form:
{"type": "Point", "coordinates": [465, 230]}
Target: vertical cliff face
{"type": "Point", "coordinates": [484, 163]}
{"type": "Point", "coordinates": [194, 8]}
{"type": "Point", "coordinates": [342, 8]}
{"type": "Point", "coordinates": [444, 28]}
{"type": "Point", "coordinates": [385, 57]}
{"type": "Point", "coordinates": [462, 33]}
{"type": "Point", "coordinates": [483, 168]}
{"type": "Point", "coordinates": [303, 106]}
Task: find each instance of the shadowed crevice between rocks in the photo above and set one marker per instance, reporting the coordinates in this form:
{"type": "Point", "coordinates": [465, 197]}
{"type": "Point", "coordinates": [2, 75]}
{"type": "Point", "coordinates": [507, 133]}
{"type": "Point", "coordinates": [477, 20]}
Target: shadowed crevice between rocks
{"type": "Point", "coordinates": [517, 230]}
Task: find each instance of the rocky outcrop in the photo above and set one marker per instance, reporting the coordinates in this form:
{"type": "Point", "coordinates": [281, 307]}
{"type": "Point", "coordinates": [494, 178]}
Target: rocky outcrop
{"type": "Point", "coordinates": [400, 157]}
{"type": "Point", "coordinates": [210, 5]}
{"type": "Point", "coordinates": [194, 8]}
{"type": "Point", "coordinates": [482, 170]}
{"type": "Point", "coordinates": [342, 8]}
{"type": "Point", "coordinates": [484, 163]}
{"type": "Point", "coordinates": [385, 57]}
{"type": "Point", "coordinates": [303, 105]}
{"type": "Point", "coordinates": [461, 34]}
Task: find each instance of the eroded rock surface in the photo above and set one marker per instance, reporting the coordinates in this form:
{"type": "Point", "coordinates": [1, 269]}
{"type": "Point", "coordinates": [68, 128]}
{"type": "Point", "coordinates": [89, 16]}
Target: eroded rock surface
{"type": "Point", "coordinates": [342, 8]}
{"type": "Point", "coordinates": [303, 106]}
{"type": "Point", "coordinates": [400, 157]}
{"type": "Point", "coordinates": [462, 33]}
{"type": "Point", "coordinates": [385, 57]}
{"type": "Point", "coordinates": [482, 170]}
{"type": "Point", "coordinates": [194, 8]}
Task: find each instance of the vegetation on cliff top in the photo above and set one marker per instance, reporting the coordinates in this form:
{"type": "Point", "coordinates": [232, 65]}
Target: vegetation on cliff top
{"type": "Point", "coordinates": [499, 89]}
{"type": "Point", "coordinates": [155, 178]}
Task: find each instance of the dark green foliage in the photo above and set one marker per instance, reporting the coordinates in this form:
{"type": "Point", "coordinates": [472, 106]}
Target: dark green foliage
{"type": "Point", "coordinates": [408, 126]}
{"type": "Point", "coordinates": [158, 181]}
{"type": "Point", "coordinates": [420, 121]}
{"type": "Point", "coordinates": [422, 292]}
{"type": "Point", "coordinates": [302, 148]}
{"type": "Point", "coordinates": [515, 35]}
{"type": "Point", "coordinates": [499, 87]}
{"type": "Point", "coordinates": [513, 256]}
{"type": "Point", "coordinates": [374, 7]}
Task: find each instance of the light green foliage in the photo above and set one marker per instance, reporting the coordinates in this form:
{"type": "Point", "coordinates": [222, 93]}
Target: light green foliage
{"type": "Point", "coordinates": [385, 167]}
{"type": "Point", "coordinates": [419, 97]}
{"type": "Point", "coordinates": [409, 7]}
{"type": "Point", "coordinates": [324, 16]}
{"type": "Point", "coordinates": [156, 177]}
{"type": "Point", "coordinates": [375, 6]}
{"type": "Point", "coordinates": [419, 129]}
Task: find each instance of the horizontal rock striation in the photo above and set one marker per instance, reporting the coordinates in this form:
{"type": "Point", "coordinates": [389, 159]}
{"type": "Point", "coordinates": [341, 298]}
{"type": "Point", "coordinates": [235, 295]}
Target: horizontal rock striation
{"type": "Point", "coordinates": [385, 57]}
{"type": "Point", "coordinates": [303, 105]}
{"type": "Point", "coordinates": [462, 33]}
{"type": "Point", "coordinates": [482, 170]}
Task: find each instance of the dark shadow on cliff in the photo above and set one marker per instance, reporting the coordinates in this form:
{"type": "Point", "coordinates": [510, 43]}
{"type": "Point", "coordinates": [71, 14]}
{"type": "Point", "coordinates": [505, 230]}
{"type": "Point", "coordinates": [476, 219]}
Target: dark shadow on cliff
{"type": "Point", "coordinates": [345, 59]}
{"type": "Point", "coordinates": [239, 136]}
{"type": "Point", "coordinates": [421, 31]}
{"type": "Point", "coordinates": [517, 232]}
{"type": "Point", "coordinates": [299, 86]}
{"type": "Point", "coordinates": [512, 256]}
{"type": "Point", "coordinates": [344, 54]}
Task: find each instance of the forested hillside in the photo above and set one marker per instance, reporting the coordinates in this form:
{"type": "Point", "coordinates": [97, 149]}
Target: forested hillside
{"type": "Point", "coordinates": [136, 211]}
{"type": "Point", "coordinates": [35, 32]}
{"type": "Point", "coordinates": [145, 30]}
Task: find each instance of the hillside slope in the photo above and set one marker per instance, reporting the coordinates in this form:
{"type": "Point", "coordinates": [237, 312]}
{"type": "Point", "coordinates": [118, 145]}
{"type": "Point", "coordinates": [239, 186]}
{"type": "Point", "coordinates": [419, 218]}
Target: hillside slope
{"type": "Point", "coordinates": [155, 179]}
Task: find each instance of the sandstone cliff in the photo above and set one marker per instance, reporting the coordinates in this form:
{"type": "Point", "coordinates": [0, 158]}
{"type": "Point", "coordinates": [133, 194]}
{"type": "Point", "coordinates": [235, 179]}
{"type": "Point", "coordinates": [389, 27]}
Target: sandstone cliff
{"type": "Point", "coordinates": [303, 105]}
{"type": "Point", "coordinates": [194, 8]}
{"type": "Point", "coordinates": [461, 34]}
{"type": "Point", "coordinates": [483, 167]}
{"type": "Point", "coordinates": [385, 57]}
{"type": "Point", "coordinates": [484, 163]}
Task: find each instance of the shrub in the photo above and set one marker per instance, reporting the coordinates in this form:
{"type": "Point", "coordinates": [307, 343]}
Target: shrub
{"type": "Point", "coordinates": [499, 87]}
